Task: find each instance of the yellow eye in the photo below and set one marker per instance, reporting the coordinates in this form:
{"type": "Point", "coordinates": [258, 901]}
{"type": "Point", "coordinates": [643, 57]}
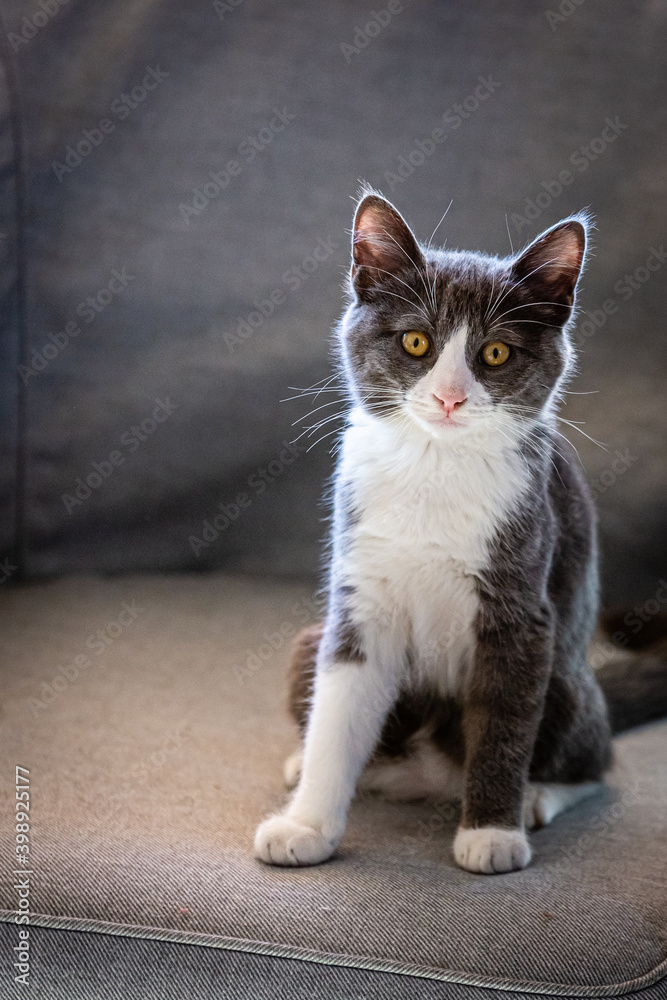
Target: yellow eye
{"type": "Point", "coordinates": [415, 343]}
{"type": "Point", "coordinates": [496, 353]}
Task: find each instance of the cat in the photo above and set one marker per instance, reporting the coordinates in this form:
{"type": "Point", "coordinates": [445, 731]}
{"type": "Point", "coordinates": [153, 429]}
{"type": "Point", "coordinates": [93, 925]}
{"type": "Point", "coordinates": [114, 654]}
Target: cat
{"type": "Point", "coordinates": [463, 582]}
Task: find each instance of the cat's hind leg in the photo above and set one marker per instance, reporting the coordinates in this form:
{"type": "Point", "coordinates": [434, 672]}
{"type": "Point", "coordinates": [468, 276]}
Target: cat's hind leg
{"type": "Point", "coordinates": [423, 772]}
{"type": "Point", "coordinates": [544, 800]}
{"type": "Point", "coordinates": [292, 769]}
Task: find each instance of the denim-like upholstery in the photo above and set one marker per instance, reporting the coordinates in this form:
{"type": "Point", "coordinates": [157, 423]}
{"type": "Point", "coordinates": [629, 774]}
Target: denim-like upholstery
{"type": "Point", "coordinates": [74, 966]}
{"type": "Point", "coordinates": [151, 766]}
{"type": "Point", "coordinates": [192, 319]}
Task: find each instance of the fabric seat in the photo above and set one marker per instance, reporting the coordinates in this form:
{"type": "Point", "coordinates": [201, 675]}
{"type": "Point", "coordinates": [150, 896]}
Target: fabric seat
{"type": "Point", "coordinates": [151, 765]}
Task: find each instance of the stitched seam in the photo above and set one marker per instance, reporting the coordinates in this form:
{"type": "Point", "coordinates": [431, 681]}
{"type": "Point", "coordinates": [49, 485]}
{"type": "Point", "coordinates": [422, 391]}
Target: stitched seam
{"type": "Point", "coordinates": [336, 960]}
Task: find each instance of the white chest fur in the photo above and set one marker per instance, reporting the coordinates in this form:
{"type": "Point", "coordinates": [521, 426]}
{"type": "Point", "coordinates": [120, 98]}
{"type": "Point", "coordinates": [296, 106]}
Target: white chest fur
{"type": "Point", "coordinates": [426, 511]}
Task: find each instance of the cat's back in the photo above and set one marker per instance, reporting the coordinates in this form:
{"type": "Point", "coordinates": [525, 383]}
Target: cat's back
{"type": "Point", "coordinates": [573, 582]}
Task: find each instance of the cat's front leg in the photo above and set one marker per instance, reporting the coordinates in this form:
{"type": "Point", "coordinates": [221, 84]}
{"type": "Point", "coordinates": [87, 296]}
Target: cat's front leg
{"type": "Point", "coordinates": [351, 699]}
{"type": "Point", "coordinates": [503, 709]}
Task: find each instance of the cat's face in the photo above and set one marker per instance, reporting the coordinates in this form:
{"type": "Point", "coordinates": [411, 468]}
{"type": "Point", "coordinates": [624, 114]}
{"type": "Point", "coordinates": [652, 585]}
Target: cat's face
{"type": "Point", "coordinates": [449, 341]}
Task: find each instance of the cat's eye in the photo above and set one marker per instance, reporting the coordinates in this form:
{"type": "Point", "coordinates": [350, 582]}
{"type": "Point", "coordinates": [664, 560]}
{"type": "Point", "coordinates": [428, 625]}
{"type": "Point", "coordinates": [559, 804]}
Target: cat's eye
{"type": "Point", "coordinates": [415, 343]}
{"type": "Point", "coordinates": [496, 353]}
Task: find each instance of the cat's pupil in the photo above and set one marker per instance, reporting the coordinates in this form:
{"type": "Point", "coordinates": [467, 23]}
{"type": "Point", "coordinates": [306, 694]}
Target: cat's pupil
{"type": "Point", "coordinates": [496, 352]}
{"type": "Point", "coordinates": [415, 342]}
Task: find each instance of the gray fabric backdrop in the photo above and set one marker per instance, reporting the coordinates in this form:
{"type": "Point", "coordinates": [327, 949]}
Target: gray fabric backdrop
{"type": "Point", "coordinates": [130, 276]}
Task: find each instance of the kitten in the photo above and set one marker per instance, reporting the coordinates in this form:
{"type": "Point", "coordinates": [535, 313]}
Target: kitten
{"type": "Point", "coordinates": [463, 584]}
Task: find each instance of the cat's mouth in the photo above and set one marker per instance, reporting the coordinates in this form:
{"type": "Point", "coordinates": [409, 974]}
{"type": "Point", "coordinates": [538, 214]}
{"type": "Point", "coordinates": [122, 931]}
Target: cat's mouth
{"type": "Point", "coordinates": [444, 420]}
{"type": "Point", "coordinates": [438, 422]}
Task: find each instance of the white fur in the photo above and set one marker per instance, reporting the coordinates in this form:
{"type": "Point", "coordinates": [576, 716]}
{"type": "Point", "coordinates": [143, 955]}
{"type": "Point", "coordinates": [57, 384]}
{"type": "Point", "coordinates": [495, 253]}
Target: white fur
{"type": "Point", "coordinates": [427, 508]}
{"type": "Point", "coordinates": [491, 850]}
{"type": "Point", "coordinates": [543, 801]}
{"type": "Point", "coordinates": [350, 704]}
{"type": "Point", "coordinates": [292, 769]}
{"type": "Point", "coordinates": [427, 773]}
{"type": "Point", "coordinates": [428, 497]}
{"type": "Point", "coordinates": [449, 376]}
{"type": "Point", "coordinates": [424, 773]}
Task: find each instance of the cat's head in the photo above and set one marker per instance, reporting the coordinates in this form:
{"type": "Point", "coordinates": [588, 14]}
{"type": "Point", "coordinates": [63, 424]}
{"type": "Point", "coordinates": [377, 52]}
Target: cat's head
{"type": "Point", "coordinates": [451, 341]}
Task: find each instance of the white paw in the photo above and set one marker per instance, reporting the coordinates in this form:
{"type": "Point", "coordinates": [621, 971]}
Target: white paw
{"type": "Point", "coordinates": [543, 801]}
{"type": "Point", "coordinates": [292, 769]}
{"type": "Point", "coordinates": [540, 805]}
{"type": "Point", "coordinates": [491, 850]}
{"type": "Point", "coordinates": [284, 841]}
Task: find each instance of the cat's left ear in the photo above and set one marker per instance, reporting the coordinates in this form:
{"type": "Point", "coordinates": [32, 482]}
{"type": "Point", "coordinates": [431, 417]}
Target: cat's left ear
{"type": "Point", "coordinates": [383, 245]}
{"type": "Point", "coordinates": [550, 267]}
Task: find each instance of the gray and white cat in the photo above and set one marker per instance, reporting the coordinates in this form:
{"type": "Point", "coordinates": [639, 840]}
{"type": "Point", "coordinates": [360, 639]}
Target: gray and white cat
{"type": "Point", "coordinates": [463, 580]}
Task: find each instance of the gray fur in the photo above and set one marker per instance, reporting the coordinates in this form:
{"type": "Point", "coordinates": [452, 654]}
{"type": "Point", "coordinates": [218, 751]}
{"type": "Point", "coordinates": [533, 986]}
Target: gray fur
{"type": "Point", "coordinates": [533, 707]}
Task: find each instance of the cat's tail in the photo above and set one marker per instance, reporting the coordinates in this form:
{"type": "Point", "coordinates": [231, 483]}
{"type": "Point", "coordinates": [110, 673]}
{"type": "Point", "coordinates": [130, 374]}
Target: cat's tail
{"type": "Point", "coordinates": [631, 667]}
{"type": "Point", "coordinates": [302, 673]}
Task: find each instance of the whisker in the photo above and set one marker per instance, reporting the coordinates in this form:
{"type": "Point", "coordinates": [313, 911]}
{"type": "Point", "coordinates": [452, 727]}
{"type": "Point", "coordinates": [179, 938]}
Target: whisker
{"type": "Point", "coordinates": [493, 285]}
{"type": "Point", "coordinates": [378, 242]}
{"type": "Point", "coordinates": [440, 223]}
{"type": "Point", "coordinates": [314, 428]}
{"type": "Point", "coordinates": [385, 291]}
{"type": "Point", "coordinates": [509, 234]}
{"type": "Point", "coordinates": [310, 413]}
{"type": "Point", "coordinates": [417, 269]}
{"type": "Point", "coordinates": [574, 448]}
{"type": "Point", "coordinates": [537, 322]}
{"type": "Point", "coordinates": [526, 305]}
{"type": "Point", "coordinates": [570, 423]}
{"type": "Point", "coordinates": [574, 427]}
{"type": "Point", "coordinates": [514, 286]}
{"type": "Point", "coordinates": [336, 430]}
{"type": "Point", "coordinates": [313, 389]}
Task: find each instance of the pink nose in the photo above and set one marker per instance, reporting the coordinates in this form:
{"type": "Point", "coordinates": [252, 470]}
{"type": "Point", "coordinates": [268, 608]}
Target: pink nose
{"type": "Point", "coordinates": [450, 401]}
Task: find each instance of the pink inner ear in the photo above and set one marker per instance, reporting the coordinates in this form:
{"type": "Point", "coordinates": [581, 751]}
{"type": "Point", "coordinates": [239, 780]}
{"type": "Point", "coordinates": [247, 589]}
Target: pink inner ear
{"type": "Point", "coordinates": [566, 250]}
{"type": "Point", "coordinates": [373, 247]}
{"type": "Point", "coordinates": [553, 262]}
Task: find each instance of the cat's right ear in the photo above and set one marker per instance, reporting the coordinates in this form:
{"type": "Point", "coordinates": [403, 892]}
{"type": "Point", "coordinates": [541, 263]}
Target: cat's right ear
{"type": "Point", "coordinates": [549, 268]}
{"type": "Point", "coordinates": [383, 245]}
